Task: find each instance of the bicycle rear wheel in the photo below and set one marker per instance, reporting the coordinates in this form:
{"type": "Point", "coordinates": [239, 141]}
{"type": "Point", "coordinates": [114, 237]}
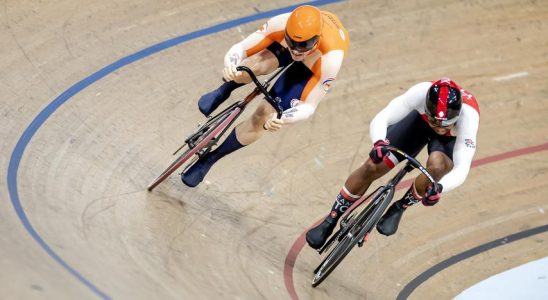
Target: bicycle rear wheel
{"type": "Point", "coordinates": [362, 224]}
{"type": "Point", "coordinates": [202, 141]}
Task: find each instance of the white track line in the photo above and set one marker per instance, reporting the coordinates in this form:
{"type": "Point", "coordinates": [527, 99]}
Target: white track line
{"type": "Point", "coordinates": [511, 76]}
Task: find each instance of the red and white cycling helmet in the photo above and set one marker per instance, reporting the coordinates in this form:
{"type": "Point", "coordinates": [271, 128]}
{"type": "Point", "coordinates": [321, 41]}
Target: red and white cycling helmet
{"type": "Point", "coordinates": [443, 102]}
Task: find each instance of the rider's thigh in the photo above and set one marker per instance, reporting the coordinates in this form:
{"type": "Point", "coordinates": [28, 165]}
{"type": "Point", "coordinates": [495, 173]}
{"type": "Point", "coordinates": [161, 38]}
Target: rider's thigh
{"type": "Point", "coordinates": [410, 134]}
{"type": "Point", "coordinates": [262, 63]}
{"type": "Point", "coordinates": [438, 164]}
{"type": "Point", "coordinates": [374, 171]}
{"type": "Point", "coordinates": [261, 114]}
{"type": "Point", "coordinates": [290, 87]}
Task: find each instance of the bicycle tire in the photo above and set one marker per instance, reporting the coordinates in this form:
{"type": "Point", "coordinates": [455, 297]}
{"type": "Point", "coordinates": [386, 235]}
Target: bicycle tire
{"type": "Point", "coordinates": [363, 223]}
{"type": "Point", "coordinates": [200, 143]}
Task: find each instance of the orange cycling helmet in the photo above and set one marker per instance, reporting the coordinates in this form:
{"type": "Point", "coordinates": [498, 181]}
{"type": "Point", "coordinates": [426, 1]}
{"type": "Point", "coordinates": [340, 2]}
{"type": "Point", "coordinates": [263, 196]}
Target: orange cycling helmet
{"type": "Point", "coordinates": [303, 28]}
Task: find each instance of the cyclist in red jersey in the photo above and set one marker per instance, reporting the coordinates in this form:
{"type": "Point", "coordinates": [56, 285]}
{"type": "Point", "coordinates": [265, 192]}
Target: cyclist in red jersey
{"type": "Point", "coordinates": [314, 42]}
{"type": "Point", "coordinates": [439, 114]}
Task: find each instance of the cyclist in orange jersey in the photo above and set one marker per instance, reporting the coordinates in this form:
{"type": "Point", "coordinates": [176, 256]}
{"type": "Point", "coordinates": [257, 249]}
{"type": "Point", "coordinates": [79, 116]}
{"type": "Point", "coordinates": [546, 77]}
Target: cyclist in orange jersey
{"type": "Point", "coordinates": [314, 42]}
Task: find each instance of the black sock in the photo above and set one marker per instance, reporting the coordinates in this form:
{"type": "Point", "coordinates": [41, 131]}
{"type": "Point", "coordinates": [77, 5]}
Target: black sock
{"type": "Point", "coordinates": [340, 205]}
{"type": "Point", "coordinates": [229, 145]}
{"type": "Point", "coordinates": [409, 198]}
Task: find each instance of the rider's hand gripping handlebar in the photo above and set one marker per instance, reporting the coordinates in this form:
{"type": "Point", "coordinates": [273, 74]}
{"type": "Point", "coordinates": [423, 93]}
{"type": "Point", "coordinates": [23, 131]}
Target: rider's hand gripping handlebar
{"type": "Point", "coordinates": [275, 102]}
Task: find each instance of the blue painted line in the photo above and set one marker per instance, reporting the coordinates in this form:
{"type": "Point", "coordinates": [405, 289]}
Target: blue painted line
{"type": "Point", "coordinates": [40, 119]}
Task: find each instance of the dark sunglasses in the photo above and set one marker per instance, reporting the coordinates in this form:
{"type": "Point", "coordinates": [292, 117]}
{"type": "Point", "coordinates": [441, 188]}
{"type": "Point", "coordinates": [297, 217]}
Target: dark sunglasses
{"type": "Point", "coordinates": [303, 46]}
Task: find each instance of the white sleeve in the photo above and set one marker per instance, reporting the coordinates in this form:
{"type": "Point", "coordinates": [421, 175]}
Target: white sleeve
{"type": "Point", "coordinates": [465, 147]}
{"type": "Point", "coordinates": [235, 55]}
{"type": "Point", "coordinates": [397, 109]}
{"type": "Point", "coordinates": [298, 113]}
{"type": "Point", "coordinates": [330, 65]}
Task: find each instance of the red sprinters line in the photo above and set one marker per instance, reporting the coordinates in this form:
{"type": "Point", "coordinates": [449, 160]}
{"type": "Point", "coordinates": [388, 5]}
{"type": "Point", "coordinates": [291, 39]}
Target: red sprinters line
{"type": "Point", "coordinates": [510, 154]}
{"type": "Point", "coordinates": [300, 242]}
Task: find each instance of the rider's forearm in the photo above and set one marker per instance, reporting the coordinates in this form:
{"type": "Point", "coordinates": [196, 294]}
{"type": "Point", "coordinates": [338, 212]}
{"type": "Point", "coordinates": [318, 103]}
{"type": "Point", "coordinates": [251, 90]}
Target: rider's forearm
{"type": "Point", "coordinates": [298, 113]}
{"type": "Point", "coordinates": [462, 158]}
{"type": "Point", "coordinates": [235, 53]}
{"type": "Point", "coordinates": [454, 178]}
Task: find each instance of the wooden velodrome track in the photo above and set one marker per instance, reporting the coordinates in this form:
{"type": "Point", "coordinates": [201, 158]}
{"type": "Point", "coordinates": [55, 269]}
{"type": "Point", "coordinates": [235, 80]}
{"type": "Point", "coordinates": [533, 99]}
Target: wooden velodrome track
{"type": "Point", "coordinates": [87, 121]}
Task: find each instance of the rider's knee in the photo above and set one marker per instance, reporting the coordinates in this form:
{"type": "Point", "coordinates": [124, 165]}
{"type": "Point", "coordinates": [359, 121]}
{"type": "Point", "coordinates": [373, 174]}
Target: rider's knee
{"type": "Point", "coordinates": [439, 164]}
{"type": "Point", "coordinates": [260, 116]}
{"type": "Point", "coordinates": [373, 171]}
{"type": "Point", "coordinates": [263, 111]}
{"type": "Point", "coordinates": [262, 63]}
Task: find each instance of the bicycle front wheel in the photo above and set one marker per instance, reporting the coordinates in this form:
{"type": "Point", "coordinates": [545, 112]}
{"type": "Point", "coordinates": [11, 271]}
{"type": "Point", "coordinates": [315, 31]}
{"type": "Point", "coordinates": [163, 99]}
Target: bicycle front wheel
{"type": "Point", "coordinates": [364, 223]}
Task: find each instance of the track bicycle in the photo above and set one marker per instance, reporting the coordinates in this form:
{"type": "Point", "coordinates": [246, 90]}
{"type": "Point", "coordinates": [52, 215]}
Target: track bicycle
{"type": "Point", "coordinates": [207, 135]}
{"type": "Point", "coordinates": [356, 225]}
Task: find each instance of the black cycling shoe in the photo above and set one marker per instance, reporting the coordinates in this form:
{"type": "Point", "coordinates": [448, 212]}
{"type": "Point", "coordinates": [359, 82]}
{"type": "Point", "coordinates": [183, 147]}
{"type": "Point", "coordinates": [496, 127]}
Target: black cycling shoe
{"type": "Point", "coordinates": [388, 225]}
{"type": "Point", "coordinates": [210, 101]}
{"type": "Point", "coordinates": [317, 236]}
{"type": "Point", "coordinates": [195, 174]}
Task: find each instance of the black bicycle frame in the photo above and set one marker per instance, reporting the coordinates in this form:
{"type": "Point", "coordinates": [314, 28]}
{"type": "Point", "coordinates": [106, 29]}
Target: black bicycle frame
{"type": "Point", "coordinates": [412, 163]}
{"type": "Point", "coordinates": [260, 88]}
